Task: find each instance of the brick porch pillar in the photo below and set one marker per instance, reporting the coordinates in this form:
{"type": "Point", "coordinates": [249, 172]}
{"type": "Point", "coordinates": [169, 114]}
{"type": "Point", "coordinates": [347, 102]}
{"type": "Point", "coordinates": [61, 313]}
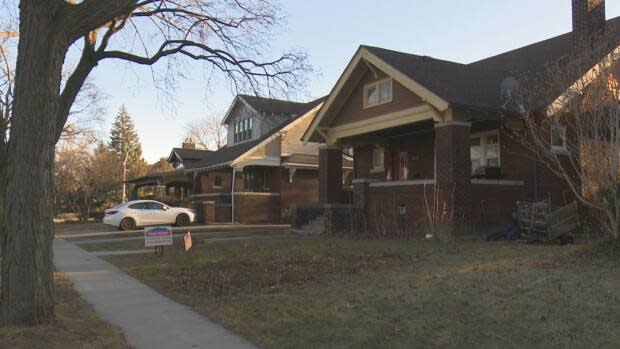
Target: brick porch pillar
{"type": "Point", "coordinates": [330, 174]}
{"type": "Point", "coordinates": [196, 201]}
{"type": "Point", "coordinates": [453, 171]}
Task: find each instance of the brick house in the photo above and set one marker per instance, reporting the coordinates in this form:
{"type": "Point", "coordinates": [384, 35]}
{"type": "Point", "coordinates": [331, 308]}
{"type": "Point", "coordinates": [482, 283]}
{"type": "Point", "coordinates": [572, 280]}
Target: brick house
{"type": "Point", "coordinates": [161, 184]}
{"type": "Point", "coordinates": [423, 128]}
{"type": "Point", "coordinates": [264, 167]}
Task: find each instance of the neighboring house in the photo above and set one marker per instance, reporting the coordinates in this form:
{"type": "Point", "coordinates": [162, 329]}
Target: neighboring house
{"type": "Point", "coordinates": [264, 168]}
{"type": "Point", "coordinates": [175, 183]}
{"type": "Point", "coordinates": [423, 128]}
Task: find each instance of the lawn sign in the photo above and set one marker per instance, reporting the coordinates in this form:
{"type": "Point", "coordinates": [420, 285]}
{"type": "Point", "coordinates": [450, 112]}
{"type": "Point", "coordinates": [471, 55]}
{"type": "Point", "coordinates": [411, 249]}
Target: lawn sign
{"type": "Point", "coordinates": [158, 237]}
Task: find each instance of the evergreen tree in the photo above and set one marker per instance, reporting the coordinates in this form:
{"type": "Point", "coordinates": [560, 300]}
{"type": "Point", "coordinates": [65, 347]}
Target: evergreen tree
{"type": "Point", "coordinates": [125, 143]}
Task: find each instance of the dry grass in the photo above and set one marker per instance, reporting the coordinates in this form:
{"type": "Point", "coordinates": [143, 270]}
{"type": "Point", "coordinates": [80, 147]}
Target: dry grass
{"type": "Point", "coordinates": [79, 228]}
{"type": "Point", "coordinates": [334, 293]}
{"type": "Point", "coordinates": [76, 326]}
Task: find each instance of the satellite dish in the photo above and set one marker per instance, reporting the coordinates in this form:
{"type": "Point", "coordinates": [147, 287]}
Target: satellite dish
{"type": "Point", "coordinates": [509, 88]}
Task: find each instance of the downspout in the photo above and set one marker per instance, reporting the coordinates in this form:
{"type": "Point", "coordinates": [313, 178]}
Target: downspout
{"type": "Point", "coordinates": [232, 197]}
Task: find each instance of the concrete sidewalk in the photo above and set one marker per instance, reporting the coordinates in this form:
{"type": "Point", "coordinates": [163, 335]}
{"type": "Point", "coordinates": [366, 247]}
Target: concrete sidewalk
{"type": "Point", "coordinates": [148, 319]}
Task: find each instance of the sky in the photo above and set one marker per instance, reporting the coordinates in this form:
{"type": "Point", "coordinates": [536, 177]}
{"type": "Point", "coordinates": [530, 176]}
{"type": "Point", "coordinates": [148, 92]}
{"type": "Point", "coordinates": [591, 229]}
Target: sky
{"type": "Point", "coordinates": [330, 31]}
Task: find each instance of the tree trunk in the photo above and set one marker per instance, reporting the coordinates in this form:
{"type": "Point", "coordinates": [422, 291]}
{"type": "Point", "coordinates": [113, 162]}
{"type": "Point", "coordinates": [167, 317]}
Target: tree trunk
{"type": "Point", "coordinates": [27, 259]}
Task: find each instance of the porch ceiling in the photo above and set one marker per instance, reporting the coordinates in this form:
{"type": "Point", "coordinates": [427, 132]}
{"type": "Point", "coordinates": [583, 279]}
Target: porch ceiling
{"type": "Point", "coordinates": [420, 114]}
{"type": "Point", "coordinates": [383, 135]}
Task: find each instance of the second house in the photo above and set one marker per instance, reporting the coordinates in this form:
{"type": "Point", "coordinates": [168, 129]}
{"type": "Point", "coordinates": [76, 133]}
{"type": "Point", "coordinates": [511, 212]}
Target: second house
{"type": "Point", "coordinates": [264, 167]}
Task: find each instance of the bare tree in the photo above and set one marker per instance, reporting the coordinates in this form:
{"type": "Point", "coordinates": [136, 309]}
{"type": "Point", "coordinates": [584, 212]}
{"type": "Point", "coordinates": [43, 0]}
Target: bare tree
{"type": "Point", "coordinates": [83, 178]}
{"type": "Point", "coordinates": [229, 36]}
{"type": "Point", "coordinates": [207, 133]}
{"type": "Point", "coordinates": [578, 136]}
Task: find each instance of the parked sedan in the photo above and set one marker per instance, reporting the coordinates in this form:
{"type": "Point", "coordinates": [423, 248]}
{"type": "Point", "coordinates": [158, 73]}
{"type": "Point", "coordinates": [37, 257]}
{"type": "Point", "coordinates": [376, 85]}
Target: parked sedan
{"type": "Point", "coordinates": [142, 213]}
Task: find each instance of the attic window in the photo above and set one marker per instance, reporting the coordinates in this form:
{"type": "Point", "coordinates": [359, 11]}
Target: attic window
{"type": "Point", "coordinates": [377, 93]}
{"type": "Point", "coordinates": [243, 130]}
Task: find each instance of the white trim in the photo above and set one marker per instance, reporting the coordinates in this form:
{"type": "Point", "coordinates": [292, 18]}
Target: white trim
{"type": "Point", "coordinates": [483, 146]}
{"type": "Point", "coordinates": [237, 193]}
{"type": "Point", "coordinates": [563, 149]}
{"type": "Point", "coordinates": [377, 85]}
{"type": "Point", "coordinates": [362, 53]}
{"type": "Point", "coordinates": [506, 182]}
{"type": "Point", "coordinates": [560, 103]}
{"type": "Point", "coordinates": [310, 113]}
{"type": "Point", "coordinates": [249, 193]}
{"type": "Point", "coordinates": [402, 183]}
{"type": "Point", "coordinates": [453, 123]}
{"type": "Point", "coordinates": [232, 106]}
{"type": "Point", "coordinates": [208, 195]}
{"type": "Point", "coordinates": [381, 122]}
{"type": "Point", "coordinates": [212, 167]}
{"type": "Point", "coordinates": [213, 181]}
{"type": "Point", "coordinates": [297, 164]}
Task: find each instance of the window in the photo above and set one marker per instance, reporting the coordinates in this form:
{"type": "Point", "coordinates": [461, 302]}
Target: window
{"type": "Point", "coordinates": [266, 179]}
{"type": "Point", "coordinates": [243, 130]}
{"type": "Point", "coordinates": [154, 206]}
{"type": "Point", "coordinates": [484, 151]}
{"type": "Point", "coordinates": [558, 138]}
{"type": "Point", "coordinates": [138, 206]}
{"type": "Point", "coordinates": [217, 181]}
{"type": "Point", "coordinates": [248, 180]}
{"type": "Point", "coordinates": [377, 160]}
{"type": "Point", "coordinates": [377, 93]}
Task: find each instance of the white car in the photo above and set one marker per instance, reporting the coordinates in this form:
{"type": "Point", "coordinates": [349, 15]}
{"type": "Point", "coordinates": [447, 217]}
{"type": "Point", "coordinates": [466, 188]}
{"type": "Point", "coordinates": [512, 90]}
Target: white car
{"type": "Point", "coordinates": [141, 213]}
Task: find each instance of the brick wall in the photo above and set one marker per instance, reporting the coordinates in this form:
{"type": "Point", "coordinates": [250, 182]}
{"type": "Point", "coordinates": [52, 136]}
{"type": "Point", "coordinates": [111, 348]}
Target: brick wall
{"type": "Point", "coordinates": [304, 190]}
{"type": "Point", "coordinates": [384, 210]}
{"type": "Point", "coordinates": [253, 209]}
{"type": "Point", "coordinates": [493, 204]}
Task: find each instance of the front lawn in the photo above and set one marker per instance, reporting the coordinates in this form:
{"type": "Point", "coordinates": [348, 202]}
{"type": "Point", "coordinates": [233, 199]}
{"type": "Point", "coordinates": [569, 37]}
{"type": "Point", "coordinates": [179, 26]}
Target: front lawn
{"type": "Point", "coordinates": [76, 326]}
{"type": "Point", "coordinates": [324, 292]}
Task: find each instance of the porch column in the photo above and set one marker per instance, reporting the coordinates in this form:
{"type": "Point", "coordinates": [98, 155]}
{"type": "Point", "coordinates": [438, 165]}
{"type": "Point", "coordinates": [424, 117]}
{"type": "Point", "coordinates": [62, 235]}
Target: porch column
{"type": "Point", "coordinates": [330, 174]}
{"type": "Point", "coordinates": [453, 172]}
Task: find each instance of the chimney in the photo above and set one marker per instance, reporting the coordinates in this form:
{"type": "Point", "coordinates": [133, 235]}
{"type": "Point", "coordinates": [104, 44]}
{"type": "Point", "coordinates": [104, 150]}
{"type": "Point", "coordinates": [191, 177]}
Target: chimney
{"type": "Point", "coordinates": [188, 143]}
{"type": "Point", "coordinates": [588, 21]}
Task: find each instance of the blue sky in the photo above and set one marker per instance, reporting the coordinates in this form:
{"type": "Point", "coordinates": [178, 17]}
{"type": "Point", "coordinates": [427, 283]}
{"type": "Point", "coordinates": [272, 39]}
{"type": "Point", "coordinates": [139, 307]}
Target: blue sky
{"type": "Point", "coordinates": [330, 31]}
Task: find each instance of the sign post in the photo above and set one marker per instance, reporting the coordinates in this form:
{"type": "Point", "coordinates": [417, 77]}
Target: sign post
{"type": "Point", "coordinates": [158, 237]}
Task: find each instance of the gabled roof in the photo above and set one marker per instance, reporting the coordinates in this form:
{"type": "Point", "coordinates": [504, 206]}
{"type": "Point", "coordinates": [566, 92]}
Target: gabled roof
{"type": "Point", "coordinates": [456, 83]}
{"type": "Point", "coordinates": [266, 105]}
{"type": "Point", "coordinates": [476, 85]}
{"type": "Point", "coordinates": [277, 106]}
{"type": "Point", "coordinates": [189, 154]}
{"type": "Point", "coordinates": [225, 156]}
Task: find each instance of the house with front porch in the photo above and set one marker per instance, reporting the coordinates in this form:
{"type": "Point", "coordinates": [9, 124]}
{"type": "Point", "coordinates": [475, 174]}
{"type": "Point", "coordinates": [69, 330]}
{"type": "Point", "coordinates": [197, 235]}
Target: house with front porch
{"type": "Point", "coordinates": [432, 137]}
{"type": "Point", "coordinates": [264, 167]}
{"type": "Point", "coordinates": [172, 184]}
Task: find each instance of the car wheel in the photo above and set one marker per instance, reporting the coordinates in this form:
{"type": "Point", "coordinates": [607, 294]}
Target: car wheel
{"type": "Point", "coordinates": [127, 224]}
{"type": "Point", "coordinates": [182, 220]}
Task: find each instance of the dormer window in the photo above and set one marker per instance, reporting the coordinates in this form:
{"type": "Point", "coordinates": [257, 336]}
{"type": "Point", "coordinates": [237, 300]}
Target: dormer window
{"type": "Point", "coordinates": [377, 93]}
{"type": "Point", "coordinates": [243, 130]}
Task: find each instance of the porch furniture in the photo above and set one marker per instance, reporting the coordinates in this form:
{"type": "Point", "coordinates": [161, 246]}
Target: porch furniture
{"type": "Point", "coordinates": [539, 222]}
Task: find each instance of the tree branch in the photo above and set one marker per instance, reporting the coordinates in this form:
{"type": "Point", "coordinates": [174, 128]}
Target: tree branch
{"type": "Point", "coordinates": [75, 82]}
{"type": "Point", "coordinates": [93, 14]}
